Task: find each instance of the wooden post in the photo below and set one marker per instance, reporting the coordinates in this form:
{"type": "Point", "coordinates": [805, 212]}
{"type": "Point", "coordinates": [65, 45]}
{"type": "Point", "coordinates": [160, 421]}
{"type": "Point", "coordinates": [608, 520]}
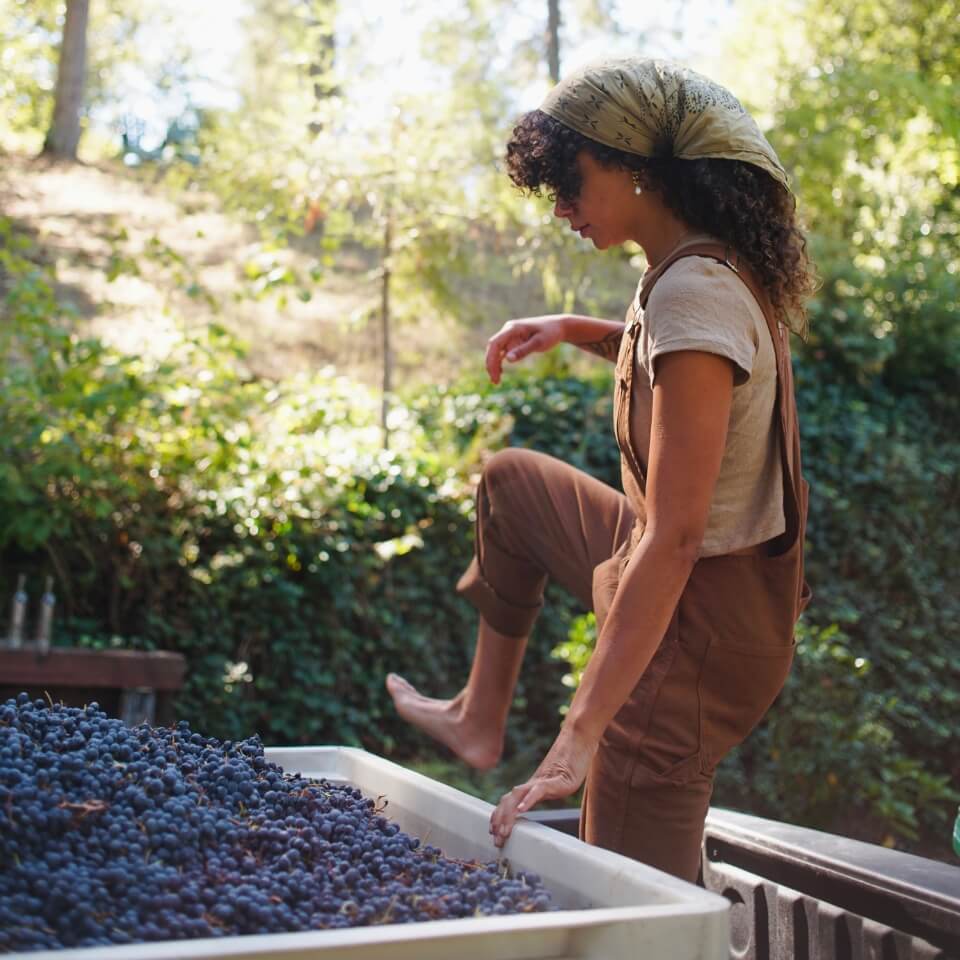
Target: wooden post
{"type": "Point", "coordinates": [385, 319]}
{"type": "Point", "coordinates": [553, 39]}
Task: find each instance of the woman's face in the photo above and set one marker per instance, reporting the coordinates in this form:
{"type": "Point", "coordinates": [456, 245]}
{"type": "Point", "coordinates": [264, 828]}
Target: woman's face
{"type": "Point", "coordinates": [607, 208]}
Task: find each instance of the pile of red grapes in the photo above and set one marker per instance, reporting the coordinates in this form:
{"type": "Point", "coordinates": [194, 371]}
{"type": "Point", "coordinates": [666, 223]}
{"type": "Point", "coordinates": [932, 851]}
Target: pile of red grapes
{"type": "Point", "coordinates": [112, 834]}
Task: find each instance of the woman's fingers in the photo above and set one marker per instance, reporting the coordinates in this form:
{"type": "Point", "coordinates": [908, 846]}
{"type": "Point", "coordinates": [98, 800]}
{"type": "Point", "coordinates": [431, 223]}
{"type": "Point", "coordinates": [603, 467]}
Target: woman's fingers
{"type": "Point", "coordinates": [505, 815]}
{"type": "Point", "coordinates": [530, 345]}
{"type": "Point", "coordinates": [563, 770]}
{"type": "Point", "coordinates": [538, 791]}
{"type": "Point", "coordinates": [520, 800]}
{"type": "Point", "coordinates": [512, 343]}
{"type": "Point", "coordinates": [497, 347]}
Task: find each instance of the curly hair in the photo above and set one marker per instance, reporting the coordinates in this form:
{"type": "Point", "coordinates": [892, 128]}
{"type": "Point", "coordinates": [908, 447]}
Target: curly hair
{"type": "Point", "coordinates": [731, 200]}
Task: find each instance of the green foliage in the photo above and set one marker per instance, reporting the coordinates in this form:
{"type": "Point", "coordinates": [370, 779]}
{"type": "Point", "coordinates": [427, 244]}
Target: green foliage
{"type": "Point", "coordinates": [538, 407]}
{"type": "Point", "coordinates": [30, 35]}
{"type": "Point", "coordinates": [831, 752]}
{"type": "Point", "coordinates": [116, 54]}
{"type": "Point", "coordinates": [577, 649]}
{"type": "Point", "coordinates": [322, 154]}
{"type": "Point", "coordinates": [259, 529]}
{"type": "Point", "coordinates": [861, 102]}
{"type": "Point", "coordinates": [884, 506]}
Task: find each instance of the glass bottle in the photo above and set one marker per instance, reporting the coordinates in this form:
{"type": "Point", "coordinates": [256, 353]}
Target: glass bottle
{"type": "Point", "coordinates": [18, 615]}
{"type": "Point", "coordinates": [45, 620]}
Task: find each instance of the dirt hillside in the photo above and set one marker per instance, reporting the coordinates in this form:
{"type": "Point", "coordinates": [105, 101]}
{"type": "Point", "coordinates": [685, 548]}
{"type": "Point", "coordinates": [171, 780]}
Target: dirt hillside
{"type": "Point", "coordinates": [136, 262]}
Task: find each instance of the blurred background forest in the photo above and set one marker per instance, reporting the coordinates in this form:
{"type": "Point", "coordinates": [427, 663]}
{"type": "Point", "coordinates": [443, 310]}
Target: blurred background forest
{"type": "Point", "coordinates": [243, 411]}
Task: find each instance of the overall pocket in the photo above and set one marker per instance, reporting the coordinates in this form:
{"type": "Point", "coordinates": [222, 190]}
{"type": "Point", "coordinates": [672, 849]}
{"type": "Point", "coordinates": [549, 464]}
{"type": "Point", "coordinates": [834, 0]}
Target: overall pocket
{"type": "Point", "coordinates": [738, 684]}
{"type": "Point", "coordinates": [741, 610]}
{"type": "Point", "coordinates": [606, 579]}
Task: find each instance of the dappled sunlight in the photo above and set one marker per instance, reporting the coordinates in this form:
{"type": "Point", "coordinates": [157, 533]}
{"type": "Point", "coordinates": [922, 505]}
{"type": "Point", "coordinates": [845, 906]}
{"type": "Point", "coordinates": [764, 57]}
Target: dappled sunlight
{"type": "Point", "coordinates": [146, 262]}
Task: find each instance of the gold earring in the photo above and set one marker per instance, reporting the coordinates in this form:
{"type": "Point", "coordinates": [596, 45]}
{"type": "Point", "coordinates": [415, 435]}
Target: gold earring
{"type": "Point", "coordinates": [637, 182]}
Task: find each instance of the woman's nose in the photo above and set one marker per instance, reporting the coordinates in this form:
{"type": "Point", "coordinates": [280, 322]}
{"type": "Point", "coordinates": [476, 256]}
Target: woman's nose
{"type": "Point", "coordinates": [562, 208]}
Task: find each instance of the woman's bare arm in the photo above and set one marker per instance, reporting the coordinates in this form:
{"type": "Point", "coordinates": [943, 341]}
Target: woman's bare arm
{"type": "Point", "coordinates": [517, 339]}
{"type": "Point", "coordinates": [596, 336]}
{"type": "Point", "coordinates": [692, 397]}
{"type": "Point", "coordinates": [691, 407]}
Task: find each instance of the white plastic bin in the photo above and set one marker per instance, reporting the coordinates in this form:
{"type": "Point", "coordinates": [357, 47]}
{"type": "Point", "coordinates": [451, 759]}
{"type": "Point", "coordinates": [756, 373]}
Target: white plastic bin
{"type": "Point", "coordinates": [613, 908]}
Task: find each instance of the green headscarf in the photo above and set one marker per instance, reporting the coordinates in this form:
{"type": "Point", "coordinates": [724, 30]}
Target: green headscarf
{"type": "Point", "coordinates": [654, 108]}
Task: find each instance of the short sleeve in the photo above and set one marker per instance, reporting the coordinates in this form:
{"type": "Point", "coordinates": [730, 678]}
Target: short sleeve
{"type": "Point", "coordinates": [699, 304]}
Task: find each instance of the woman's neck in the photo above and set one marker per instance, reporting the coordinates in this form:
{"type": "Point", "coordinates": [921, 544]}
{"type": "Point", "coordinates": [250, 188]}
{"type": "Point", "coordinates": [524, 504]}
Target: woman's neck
{"type": "Point", "coordinates": [665, 243]}
{"type": "Point", "coordinates": [659, 230]}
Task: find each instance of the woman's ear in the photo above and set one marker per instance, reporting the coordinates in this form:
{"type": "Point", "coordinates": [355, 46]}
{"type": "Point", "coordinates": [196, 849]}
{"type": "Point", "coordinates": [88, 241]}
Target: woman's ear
{"type": "Point", "coordinates": [642, 181]}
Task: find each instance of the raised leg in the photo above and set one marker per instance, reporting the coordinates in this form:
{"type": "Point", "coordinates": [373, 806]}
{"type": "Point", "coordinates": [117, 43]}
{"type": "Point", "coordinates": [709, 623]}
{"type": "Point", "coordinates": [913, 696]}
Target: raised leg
{"type": "Point", "coordinates": [474, 722]}
{"type": "Point", "coordinates": [537, 518]}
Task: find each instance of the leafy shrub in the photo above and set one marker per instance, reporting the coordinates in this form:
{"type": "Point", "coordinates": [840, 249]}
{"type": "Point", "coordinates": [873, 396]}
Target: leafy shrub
{"type": "Point", "coordinates": [257, 528]}
{"type": "Point", "coordinates": [883, 468]}
{"type": "Point", "coordinates": [830, 755]}
{"type": "Point", "coordinates": [569, 417]}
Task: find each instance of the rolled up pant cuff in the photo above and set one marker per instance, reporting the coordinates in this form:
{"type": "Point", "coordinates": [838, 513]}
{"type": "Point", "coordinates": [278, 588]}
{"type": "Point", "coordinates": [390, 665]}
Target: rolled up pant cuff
{"type": "Point", "coordinates": [505, 616]}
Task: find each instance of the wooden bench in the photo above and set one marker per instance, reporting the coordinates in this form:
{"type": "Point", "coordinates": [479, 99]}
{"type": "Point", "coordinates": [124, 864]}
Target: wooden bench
{"type": "Point", "coordinates": [135, 685]}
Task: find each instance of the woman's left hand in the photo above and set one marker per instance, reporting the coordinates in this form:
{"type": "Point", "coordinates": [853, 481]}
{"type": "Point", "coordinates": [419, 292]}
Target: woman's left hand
{"type": "Point", "coordinates": [562, 772]}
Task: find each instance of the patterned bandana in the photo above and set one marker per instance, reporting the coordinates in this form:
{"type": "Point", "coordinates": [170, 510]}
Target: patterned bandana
{"type": "Point", "coordinates": [655, 108]}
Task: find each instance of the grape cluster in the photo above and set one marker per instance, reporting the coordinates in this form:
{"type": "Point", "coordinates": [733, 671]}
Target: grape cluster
{"type": "Point", "coordinates": [111, 834]}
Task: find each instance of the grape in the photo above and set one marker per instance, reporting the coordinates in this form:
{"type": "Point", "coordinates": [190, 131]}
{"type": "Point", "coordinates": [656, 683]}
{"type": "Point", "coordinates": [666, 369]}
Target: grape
{"type": "Point", "coordinates": [111, 834]}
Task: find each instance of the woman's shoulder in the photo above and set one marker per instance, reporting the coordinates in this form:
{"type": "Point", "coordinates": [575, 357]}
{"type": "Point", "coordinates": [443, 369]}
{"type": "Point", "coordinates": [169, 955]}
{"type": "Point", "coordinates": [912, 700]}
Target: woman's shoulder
{"type": "Point", "coordinates": [698, 271]}
{"type": "Point", "coordinates": [707, 287]}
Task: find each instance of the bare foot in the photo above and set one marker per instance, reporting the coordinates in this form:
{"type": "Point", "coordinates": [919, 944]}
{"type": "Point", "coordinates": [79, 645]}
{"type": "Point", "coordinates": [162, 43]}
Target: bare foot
{"type": "Point", "coordinates": [476, 744]}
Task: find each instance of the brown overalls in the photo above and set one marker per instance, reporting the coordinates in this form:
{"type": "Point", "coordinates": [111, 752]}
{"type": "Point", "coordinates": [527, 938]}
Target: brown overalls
{"type": "Point", "coordinates": [729, 646]}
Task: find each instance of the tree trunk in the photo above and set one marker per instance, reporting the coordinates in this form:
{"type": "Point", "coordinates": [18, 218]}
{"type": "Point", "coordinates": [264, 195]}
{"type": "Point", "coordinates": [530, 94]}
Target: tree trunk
{"type": "Point", "coordinates": [64, 134]}
{"type": "Point", "coordinates": [323, 22]}
{"type": "Point", "coordinates": [385, 321]}
{"type": "Point", "coordinates": [320, 23]}
{"type": "Point", "coordinates": [553, 39]}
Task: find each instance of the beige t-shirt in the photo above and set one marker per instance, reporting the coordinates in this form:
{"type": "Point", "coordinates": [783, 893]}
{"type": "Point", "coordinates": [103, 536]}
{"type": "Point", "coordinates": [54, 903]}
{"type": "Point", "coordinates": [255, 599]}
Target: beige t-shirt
{"type": "Point", "coordinates": [699, 304]}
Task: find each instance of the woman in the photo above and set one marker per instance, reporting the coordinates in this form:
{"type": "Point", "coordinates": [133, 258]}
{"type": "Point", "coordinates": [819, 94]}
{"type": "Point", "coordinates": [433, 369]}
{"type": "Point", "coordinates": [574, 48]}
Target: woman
{"type": "Point", "coordinates": [695, 572]}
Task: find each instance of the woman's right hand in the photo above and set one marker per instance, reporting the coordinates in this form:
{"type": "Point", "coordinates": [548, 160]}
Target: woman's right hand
{"type": "Point", "coordinates": [518, 338]}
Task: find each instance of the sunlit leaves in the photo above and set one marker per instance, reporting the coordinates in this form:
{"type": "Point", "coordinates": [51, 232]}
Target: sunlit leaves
{"type": "Point", "coordinates": [861, 103]}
